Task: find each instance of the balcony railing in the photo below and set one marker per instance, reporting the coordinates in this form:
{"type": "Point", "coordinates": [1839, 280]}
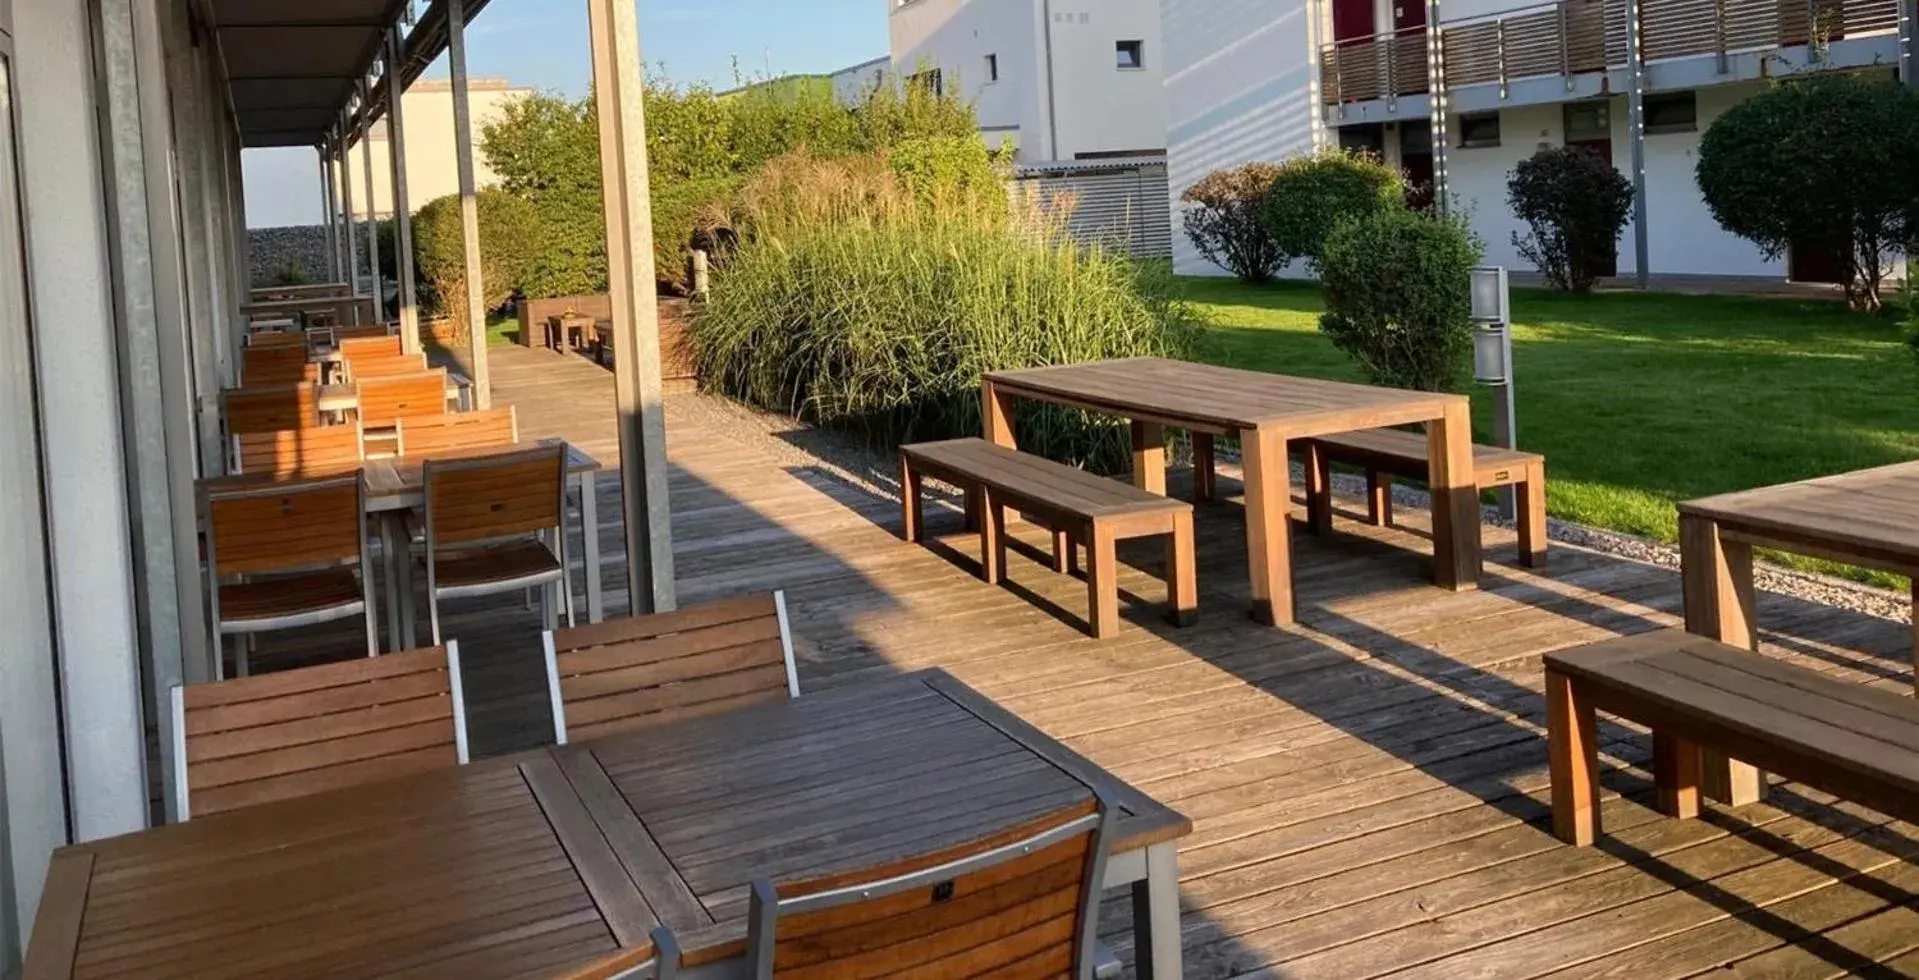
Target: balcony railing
{"type": "Point", "coordinates": [1572, 37]}
{"type": "Point", "coordinates": [1375, 67]}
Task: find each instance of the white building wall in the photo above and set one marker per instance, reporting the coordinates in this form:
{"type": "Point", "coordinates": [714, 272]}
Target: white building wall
{"type": "Point", "coordinates": [1239, 88]}
{"type": "Point", "coordinates": [432, 163]}
{"type": "Point", "coordinates": [851, 85]}
{"type": "Point", "coordinates": [1477, 177]}
{"type": "Point", "coordinates": [1096, 107]}
{"type": "Point", "coordinates": [1682, 235]}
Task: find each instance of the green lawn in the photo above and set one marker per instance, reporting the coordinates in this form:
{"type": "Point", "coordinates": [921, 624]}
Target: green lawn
{"type": "Point", "coordinates": [1640, 400]}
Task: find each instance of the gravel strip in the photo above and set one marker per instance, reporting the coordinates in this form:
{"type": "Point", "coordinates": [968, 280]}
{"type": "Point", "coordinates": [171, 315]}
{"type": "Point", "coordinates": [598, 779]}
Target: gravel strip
{"type": "Point", "coordinates": [842, 457]}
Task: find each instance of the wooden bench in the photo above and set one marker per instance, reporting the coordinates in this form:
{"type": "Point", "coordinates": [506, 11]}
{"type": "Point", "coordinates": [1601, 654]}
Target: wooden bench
{"type": "Point", "coordinates": [1852, 741]}
{"type": "Point", "coordinates": [1388, 453]}
{"type": "Point", "coordinates": [1080, 508]}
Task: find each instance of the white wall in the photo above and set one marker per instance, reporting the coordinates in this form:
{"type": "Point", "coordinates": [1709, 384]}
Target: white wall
{"type": "Point", "coordinates": [1239, 77]}
{"type": "Point", "coordinates": [282, 184]}
{"type": "Point", "coordinates": [1096, 106]}
{"type": "Point", "coordinates": [851, 85]}
{"type": "Point", "coordinates": [1477, 176]}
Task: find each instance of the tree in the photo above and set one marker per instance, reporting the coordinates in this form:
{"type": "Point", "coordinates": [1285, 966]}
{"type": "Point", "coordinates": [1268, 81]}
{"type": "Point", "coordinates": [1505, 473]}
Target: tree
{"type": "Point", "coordinates": [1575, 205]}
{"type": "Point", "coordinates": [1311, 195]}
{"type": "Point", "coordinates": [1222, 219]}
{"type": "Point", "coordinates": [509, 247]}
{"type": "Point", "coordinates": [1828, 161]}
{"type": "Point", "coordinates": [1399, 296]}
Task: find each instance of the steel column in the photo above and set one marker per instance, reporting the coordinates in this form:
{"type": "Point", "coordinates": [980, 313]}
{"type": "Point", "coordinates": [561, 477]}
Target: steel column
{"type": "Point", "coordinates": [408, 301]}
{"type": "Point", "coordinates": [469, 203]}
{"type": "Point", "coordinates": [1636, 135]}
{"type": "Point", "coordinates": [372, 214]}
{"type": "Point", "coordinates": [348, 211]}
{"type": "Point", "coordinates": [1436, 87]}
{"type": "Point", "coordinates": [619, 88]}
{"type": "Point", "coordinates": [326, 212]}
{"type": "Point", "coordinates": [1909, 42]}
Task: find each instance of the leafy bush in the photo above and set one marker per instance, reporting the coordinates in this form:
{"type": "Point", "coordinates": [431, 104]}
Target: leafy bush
{"type": "Point", "coordinates": [1222, 219]}
{"type": "Point", "coordinates": [1311, 195]}
{"type": "Point", "coordinates": [1828, 161]}
{"type": "Point", "coordinates": [1398, 296]}
{"type": "Point", "coordinates": [935, 166]}
{"type": "Point", "coordinates": [1576, 205]}
{"type": "Point", "coordinates": [509, 244]}
{"type": "Point", "coordinates": [854, 304]}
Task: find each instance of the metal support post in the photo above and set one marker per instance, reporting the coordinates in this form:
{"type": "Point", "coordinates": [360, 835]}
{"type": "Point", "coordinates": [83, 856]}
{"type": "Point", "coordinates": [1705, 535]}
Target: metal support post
{"type": "Point", "coordinates": [1636, 133]}
{"type": "Point", "coordinates": [469, 202]}
{"type": "Point", "coordinates": [372, 211]}
{"type": "Point", "coordinates": [351, 214]}
{"type": "Point", "coordinates": [407, 300]}
{"type": "Point", "coordinates": [1436, 85]}
{"type": "Point", "coordinates": [326, 214]}
{"type": "Point", "coordinates": [619, 87]}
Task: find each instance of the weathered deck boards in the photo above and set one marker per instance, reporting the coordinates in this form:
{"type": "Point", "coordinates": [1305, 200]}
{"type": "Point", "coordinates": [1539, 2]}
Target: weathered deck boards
{"type": "Point", "coordinates": [1369, 787]}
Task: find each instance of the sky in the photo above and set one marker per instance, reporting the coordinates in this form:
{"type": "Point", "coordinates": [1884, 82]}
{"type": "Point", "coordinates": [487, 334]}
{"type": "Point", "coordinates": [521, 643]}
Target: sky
{"type": "Point", "coordinates": [543, 44]}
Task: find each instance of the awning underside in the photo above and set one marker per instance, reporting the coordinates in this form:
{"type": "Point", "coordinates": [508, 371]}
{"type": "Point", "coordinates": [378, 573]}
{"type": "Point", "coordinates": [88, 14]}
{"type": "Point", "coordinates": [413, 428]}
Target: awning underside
{"type": "Point", "coordinates": [295, 64]}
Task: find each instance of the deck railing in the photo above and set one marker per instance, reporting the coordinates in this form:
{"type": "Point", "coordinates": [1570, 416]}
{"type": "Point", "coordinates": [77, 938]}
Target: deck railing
{"type": "Point", "coordinates": [1572, 37]}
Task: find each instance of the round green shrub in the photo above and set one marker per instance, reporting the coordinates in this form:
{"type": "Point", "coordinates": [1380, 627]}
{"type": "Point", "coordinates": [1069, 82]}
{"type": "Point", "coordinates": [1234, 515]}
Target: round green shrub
{"type": "Point", "coordinates": [1398, 296]}
{"type": "Point", "coordinates": [510, 242]}
{"type": "Point", "coordinates": [1311, 195]}
{"type": "Point", "coordinates": [1829, 161]}
{"type": "Point", "coordinates": [1575, 205]}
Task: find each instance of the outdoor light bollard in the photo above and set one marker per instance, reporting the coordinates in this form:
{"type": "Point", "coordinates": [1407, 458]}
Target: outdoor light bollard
{"type": "Point", "coordinates": [696, 273]}
{"type": "Point", "coordinates": [1492, 319]}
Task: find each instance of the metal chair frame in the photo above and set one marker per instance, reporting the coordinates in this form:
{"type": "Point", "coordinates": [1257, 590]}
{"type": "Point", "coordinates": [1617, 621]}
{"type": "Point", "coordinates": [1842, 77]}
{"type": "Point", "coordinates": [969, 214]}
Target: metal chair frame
{"type": "Point", "coordinates": [560, 579]}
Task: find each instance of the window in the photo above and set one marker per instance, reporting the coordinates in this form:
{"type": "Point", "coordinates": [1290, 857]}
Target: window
{"type": "Point", "coordinates": [1675, 113]}
{"type": "Point", "coordinates": [1132, 54]}
{"type": "Point", "coordinates": [929, 80]}
{"type": "Point", "coordinates": [1478, 130]}
{"type": "Point", "coordinates": [992, 68]}
{"type": "Point", "coordinates": [1588, 121]}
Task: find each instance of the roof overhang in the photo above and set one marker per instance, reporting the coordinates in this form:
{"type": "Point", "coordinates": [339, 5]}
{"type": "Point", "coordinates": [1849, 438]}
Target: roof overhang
{"type": "Point", "coordinates": [293, 66]}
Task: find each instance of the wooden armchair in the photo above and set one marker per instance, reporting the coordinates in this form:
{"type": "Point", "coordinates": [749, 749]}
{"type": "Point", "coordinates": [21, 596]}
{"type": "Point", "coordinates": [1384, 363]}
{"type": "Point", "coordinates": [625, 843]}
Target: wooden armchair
{"type": "Point", "coordinates": [292, 453]}
{"type": "Point", "coordinates": [384, 401]}
{"type": "Point", "coordinates": [459, 432]}
{"type": "Point", "coordinates": [1024, 899]}
{"type": "Point", "coordinates": [283, 556]}
{"type": "Point", "coordinates": [274, 408]}
{"type": "Point", "coordinates": [617, 676]}
{"type": "Point", "coordinates": [263, 366]}
{"type": "Point", "coordinates": [361, 367]}
{"type": "Point", "coordinates": [245, 742]}
{"type": "Point", "coordinates": [497, 524]}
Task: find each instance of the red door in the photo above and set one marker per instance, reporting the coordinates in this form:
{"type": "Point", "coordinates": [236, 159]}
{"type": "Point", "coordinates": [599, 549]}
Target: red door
{"type": "Point", "coordinates": [1352, 19]}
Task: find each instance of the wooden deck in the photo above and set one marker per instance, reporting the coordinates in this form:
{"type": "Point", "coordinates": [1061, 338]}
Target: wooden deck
{"type": "Point", "coordinates": [1368, 788]}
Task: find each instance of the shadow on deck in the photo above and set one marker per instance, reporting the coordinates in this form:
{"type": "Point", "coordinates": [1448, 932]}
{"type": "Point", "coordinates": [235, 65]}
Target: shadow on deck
{"type": "Point", "coordinates": [1368, 789]}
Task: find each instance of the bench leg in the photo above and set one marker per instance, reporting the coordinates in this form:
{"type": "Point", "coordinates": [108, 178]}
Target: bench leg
{"type": "Point", "coordinates": [1379, 498]}
{"type": "Point", "coordinates": [1676, 771]}
{"type": "Point", "coordinates": [1204, 477]}
{"type": "Point", "coordinates": [1149, 457]}
{"type": "Point", "coordinates": [1102, 582]}
{"type": "Point", "coordinates": [1573, 739]}
{"type": "Point", "coordinates": [1182, 576]}
{"type": "Point", "coordinates": [992, 538]}
{"type": "Point", "coordinates": [1720, 603]}
{"type": "Point", "coordinates": [1915, 634]}
{"type": "Point", "coordinates": [1531, 494]}
{"type": "Point", "coordinates": [1062, 552]}
{"type": "Point", "coordinates": [913, 516]}
{"type": "Point", "coordinates": [1319, 490]}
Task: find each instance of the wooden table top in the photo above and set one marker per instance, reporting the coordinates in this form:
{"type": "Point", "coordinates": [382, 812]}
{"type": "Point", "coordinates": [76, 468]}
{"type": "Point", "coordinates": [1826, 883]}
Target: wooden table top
{"type": "Point", "coordinates": [518, 867]}
{"type": "Point", "coordinates": [1222, 398]}
{"type": "Point", "coordinates": [1875, 511]}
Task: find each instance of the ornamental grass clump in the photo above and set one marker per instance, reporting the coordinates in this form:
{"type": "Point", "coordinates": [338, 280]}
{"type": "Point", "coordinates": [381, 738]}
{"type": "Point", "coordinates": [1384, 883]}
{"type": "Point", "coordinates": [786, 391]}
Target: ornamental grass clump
{"type": "Point", "coordinates": [857, 303]}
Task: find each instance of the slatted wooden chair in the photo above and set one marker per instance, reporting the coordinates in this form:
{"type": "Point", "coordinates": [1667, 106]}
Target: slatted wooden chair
{"type": "Point", "coordinates": [241, 743]}
{"type": "Point", "coordinates": [296, 453]}
{"type": "Point", "coordinates": [497, 524]}
{"type": "Point", "coordinates": [263, 339]}
{"type": "Point", "coordinates": [363, 367]}
{"type": "Point", "coordinates": [459, 432]}
{"type": "Point", "coordinates": [289, 555]}
{"type": "Point", "coordinates": [274, 408]}
{"type": "Point", "coordinates": [656, 960]}
{"type": "Point", "coordinates": [371, 347]}
{"type": "Point", "coordinates": [1021, 901]}
{"type": "Point", "coordinates": [263, 366]}
{"type": "Point", "coordinates": [618, 676]}
{"type": "Point", "coordinates": [360, 331]}
{"type": "Point", "coordinates": [384, 401]}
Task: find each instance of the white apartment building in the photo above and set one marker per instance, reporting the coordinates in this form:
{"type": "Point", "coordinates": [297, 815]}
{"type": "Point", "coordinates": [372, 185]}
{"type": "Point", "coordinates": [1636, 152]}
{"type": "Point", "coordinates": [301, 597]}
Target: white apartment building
{"type": "Point", "coordinates": [1063, 80]}
{"type": "Point", "coordinates": [1267, 79]}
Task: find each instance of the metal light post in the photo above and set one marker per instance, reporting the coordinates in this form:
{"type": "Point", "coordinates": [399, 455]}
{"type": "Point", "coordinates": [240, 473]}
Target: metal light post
{"type": "Point", "coordinates": [1492, 319]}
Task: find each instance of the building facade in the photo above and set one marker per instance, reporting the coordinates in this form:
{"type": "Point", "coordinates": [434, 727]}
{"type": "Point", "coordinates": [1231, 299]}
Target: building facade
{"type": "Point", "coordinates": [1062, 80]}
{"type": "Point", "coordinates": [1458, 92]}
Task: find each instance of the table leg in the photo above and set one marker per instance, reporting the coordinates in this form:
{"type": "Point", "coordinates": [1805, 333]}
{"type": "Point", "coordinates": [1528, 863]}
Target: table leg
{"type": "Point", "coordinates": [1149, 457]}
{"type": "Point", "coordinates": [1717, 579]}
{"type": "Point", "coordinates": [1915, 634]}
{"type": "Point", "coordinates": [996, 415]}
{"type": "Point", "coordinates": [1269, 534]}
{"type": "Point", "coordinates": [1156, 941]}
{"type": "Point", "coordinates": [590, 525]}
{"type": "Point", "coordinates": [1676, 773]}
{"type": "Point", "coordinates": [1456, 515]}
{"type": "Point", "coordinates": [1204, 481]}
{"type": "Point", "coordinates": [1572, 750]}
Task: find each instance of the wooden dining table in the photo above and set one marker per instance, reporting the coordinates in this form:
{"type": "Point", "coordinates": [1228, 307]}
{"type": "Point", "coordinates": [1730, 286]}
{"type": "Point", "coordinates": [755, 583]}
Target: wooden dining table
{"type": "Point", "coordinates": [530, 866]}
{"type": "Point", "coordinates": [1265, 411]}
